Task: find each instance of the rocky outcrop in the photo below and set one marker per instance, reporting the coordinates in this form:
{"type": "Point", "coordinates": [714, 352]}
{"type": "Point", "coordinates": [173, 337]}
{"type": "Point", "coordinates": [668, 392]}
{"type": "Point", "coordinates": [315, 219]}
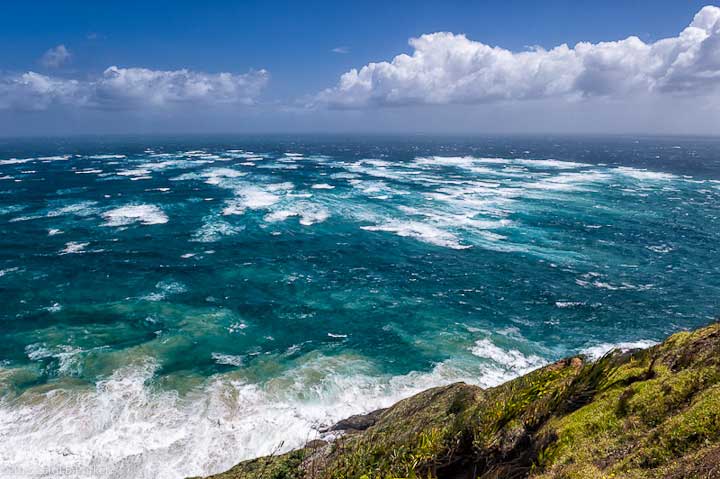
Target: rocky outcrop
{"type": "Point", "coordinates": [652, 413]}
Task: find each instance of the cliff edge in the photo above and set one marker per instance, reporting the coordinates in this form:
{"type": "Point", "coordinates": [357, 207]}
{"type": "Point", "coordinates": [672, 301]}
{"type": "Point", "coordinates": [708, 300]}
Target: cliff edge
{"type": "Point", "coordinates": [651, 413]}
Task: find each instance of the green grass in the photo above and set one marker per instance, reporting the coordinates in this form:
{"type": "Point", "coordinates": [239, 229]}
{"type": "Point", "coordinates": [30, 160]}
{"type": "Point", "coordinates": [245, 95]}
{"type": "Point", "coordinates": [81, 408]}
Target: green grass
{"type": "Point", "coordinates": [643, 414]}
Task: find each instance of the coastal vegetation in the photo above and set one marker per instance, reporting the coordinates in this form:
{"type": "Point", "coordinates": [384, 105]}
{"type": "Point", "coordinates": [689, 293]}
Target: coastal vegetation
{"type": "Point", "coordinates": [645, 413]}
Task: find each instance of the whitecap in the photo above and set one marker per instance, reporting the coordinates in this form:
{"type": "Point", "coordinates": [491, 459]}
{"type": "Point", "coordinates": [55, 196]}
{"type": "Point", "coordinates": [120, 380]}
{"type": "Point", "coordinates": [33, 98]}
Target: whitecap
{"type": "Point", "coordinates": [576, 181]}
{"type": "Point", "coordinates": [457, 161]}
{"type": "Point", "coordinates": [511, 359]}
{"type": "Point", "coordinates": [309, 214]}
{"type": "Point", "coordinates": [25, 218]}
{"type": "Point", "coordinates": [215, 176]}
{"type": "Point", "coordinates": [73, 247]}
{"type": "Point", "coordinates": [641, 174]}
{"type": "Point", "coordinates": [255, 198]}
{"type": "Point", "coordinates": [133, 172]}
{"type": "Point", "coordinates": [82, 208]}
{"type": "Point", "coordinates": [106, 157]}
{"type": "Point", "coordinates": [553, 164]}
{"type": "Point", "coordinates": [6, 210]}
{"type": "Point", "coordinates": [278, 166]}
{"type": "Point", "coordinates": [214, 229]}
{"type": "Point", "coordinates": [54, 308]}
{"type": "Point", "coordinates": [15, 161]}
{"type": "Point", "coordinates": [568, 304]}
{"type": "Point", "coordinates": [67, 356]}
{"type": "Point", "coordinates": [599, 350]}
{"type": "Point", "coordinates": [5, 271]}
{"type": "Point", "coordinates": [312, 214]}
{"type": "Point", "coordinates": [236, 327]}
{"type": "Point", "coordinates": [662, 249]}
{"type": "Point", "coordinates": [163, 289]}
{"type": "Point", "coordinates": [140, 213]}
{"type": "Point", "coordinates": [227, 359]}
{"type": "Point", "coordinates": [420, 231]}
{"type": "Point", "coordinates": [344, 176]}
{"type": "Point", "coordinates": [127, 427]}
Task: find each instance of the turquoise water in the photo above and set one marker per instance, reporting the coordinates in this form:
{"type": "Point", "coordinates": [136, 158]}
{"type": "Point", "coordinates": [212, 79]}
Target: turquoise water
{"type": "Point", "coordinates": [172, 306]}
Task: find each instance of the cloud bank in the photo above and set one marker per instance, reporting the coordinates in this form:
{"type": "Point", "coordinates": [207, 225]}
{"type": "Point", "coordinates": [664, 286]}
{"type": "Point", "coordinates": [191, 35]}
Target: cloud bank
{"type": "Point", "coordinates": [130, 88]}
{"type": "Point", "coordinates": [446, 68]}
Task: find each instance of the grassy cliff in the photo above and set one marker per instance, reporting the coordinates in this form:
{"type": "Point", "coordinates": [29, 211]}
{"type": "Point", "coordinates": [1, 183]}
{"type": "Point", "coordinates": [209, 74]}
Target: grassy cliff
{"type": "Point", "coordinates": [652, 413]}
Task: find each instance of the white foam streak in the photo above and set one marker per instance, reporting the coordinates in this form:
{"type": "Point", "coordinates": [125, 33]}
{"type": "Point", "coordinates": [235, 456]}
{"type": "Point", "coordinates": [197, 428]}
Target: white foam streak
{"type": "Point", "coordinates": [215, 176]}
{"type": "Point", "coordinates": [256, 198]}
{"type": "Point", "coordinates": [125, 427]}
{"type": "Point", "coordinates": [471, 162]}
{"type": "Point", "coordinates": [83, 208]}
{"type": "Point", "coordinates": [420, 231]}
{"type": "Point", "coordinates": [227, 359]}
{"type": "Point", "coordinates": [214, 229]}
{"type": "Point", "coordinates": [599, 350]}
{"type": "Point", "coordinates": [106, 157]}
{"type": "Point", "coordinates": [309, 214]}
{"type": "Point", "coordinates": [66, 355]}
{"type": "Point", "coordinates": [15, 161]}
{"type": "Point", "coordinates": [43, 159]}
{"type": "Point", "coordinates": [511, 359]}
{"type": "Point", "coordinates": [74, 247]}
{"type": "Point", "coordinates": [142, 214]}
{"type": "Point", "coordinates": [640, 174]}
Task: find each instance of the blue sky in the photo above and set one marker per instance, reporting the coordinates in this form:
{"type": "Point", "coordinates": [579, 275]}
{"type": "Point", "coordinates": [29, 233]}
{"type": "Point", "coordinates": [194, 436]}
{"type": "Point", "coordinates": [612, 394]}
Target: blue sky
{"type": "Point", "coordinates": [293, 43]}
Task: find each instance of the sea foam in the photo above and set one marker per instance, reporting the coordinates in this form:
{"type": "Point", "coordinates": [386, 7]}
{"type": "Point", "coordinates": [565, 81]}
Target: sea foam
{"type": "Point", "coordinates": [142, 214]}
{"type": "Point", "coordinates": [421, 231]}
{"type": "Point", "coordinates": [127, 427]}
{"type": "Point", "coordinates": [599, 350]}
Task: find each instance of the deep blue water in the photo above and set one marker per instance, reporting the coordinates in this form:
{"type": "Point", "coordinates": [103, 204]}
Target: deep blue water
{"type": "Point", "coordinates": [179, 304]}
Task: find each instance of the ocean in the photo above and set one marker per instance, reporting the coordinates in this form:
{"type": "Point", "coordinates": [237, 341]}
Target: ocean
{"type": "Point", "coordinates": [174, 305]}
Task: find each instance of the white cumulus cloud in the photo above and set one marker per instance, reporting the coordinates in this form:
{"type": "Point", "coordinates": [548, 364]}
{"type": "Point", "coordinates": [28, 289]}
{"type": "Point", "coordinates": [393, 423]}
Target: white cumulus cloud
{"type": "Point", "coordinates": [124, 86]}
{"type": "Point", "coordinates": [55, 57]}
{"type": "Point", "coordinates": [131, 88]}
{"type": "Point", "coordinates": [33, 91]}
{"type": "Point", "coordinates": [447, 68]}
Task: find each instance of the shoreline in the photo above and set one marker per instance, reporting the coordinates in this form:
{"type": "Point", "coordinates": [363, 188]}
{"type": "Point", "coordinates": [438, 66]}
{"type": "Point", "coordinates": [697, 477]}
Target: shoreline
{"type": "Point", "coordinates": [651, 412]}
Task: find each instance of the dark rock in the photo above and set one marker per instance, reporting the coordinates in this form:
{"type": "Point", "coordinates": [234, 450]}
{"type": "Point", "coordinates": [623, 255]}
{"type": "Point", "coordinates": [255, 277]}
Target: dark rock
{"type": "Point", "coordinates": [643, 413]}
{"type": "Point", "coordinates": [316, 444]}
{"type": "Point", "coordinates": [359, 422]}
